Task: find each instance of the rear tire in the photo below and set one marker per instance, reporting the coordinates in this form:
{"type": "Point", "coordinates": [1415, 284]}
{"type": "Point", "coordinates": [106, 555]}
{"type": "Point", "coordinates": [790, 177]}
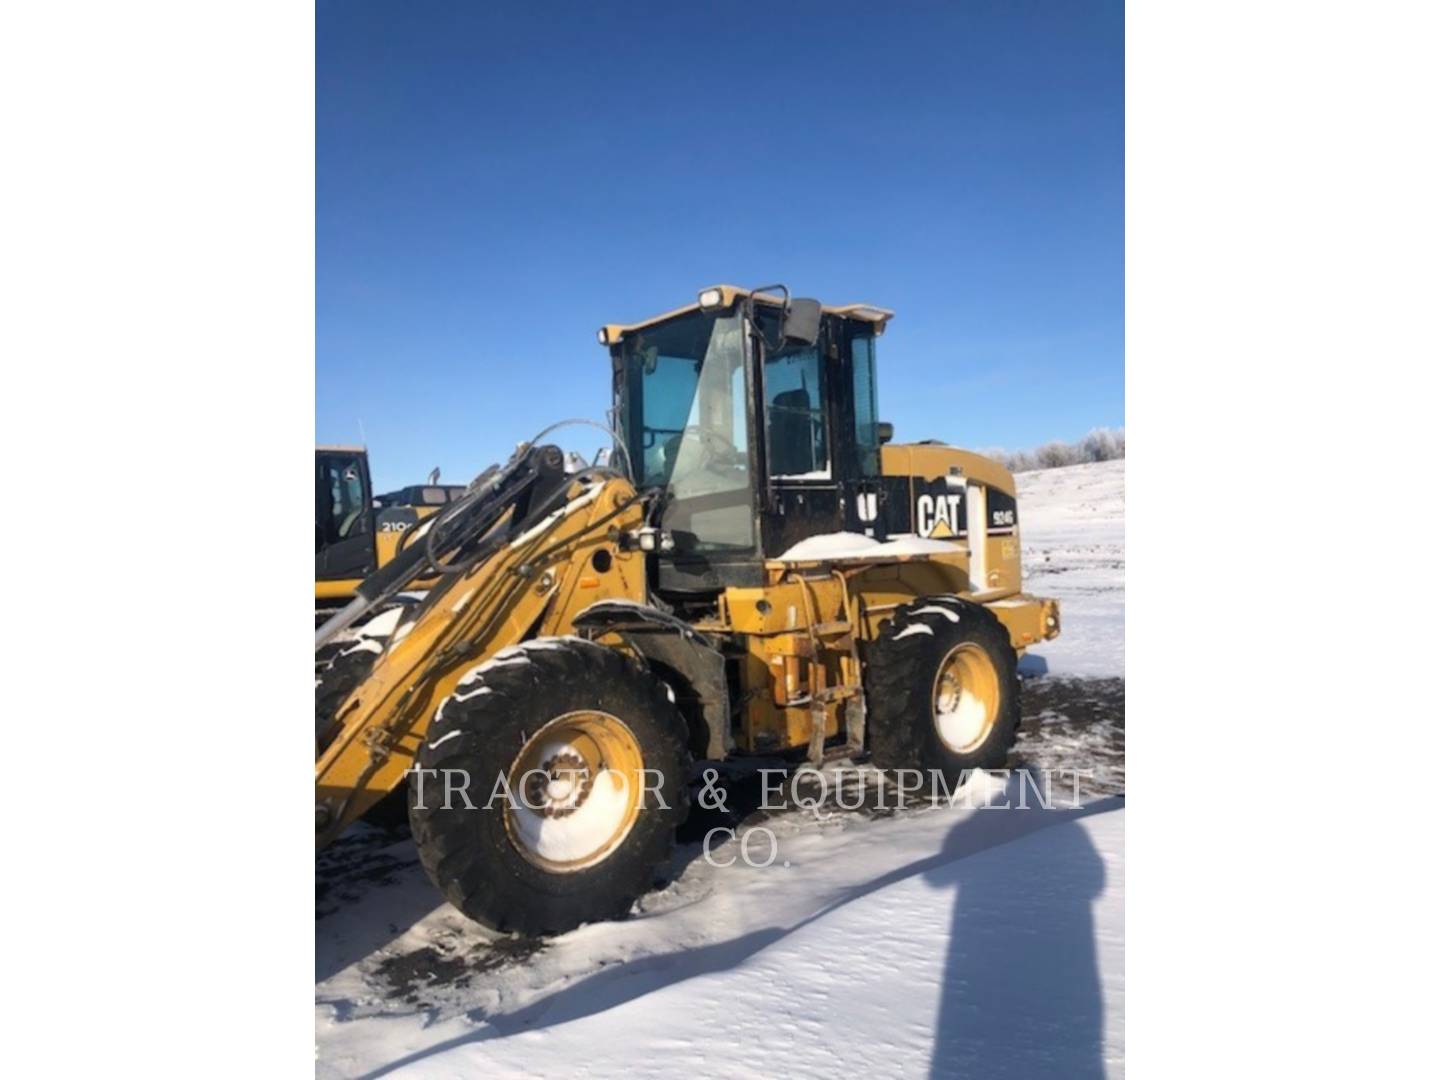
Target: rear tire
{"type": "Point", "coordinates": [561, 720]}
{"type": "Point", "coordinates": [941, 689]}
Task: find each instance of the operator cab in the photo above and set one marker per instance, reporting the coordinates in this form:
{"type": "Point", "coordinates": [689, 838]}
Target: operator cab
{"type": "Point", "coordinates": [356, 530]}
{"type": "Point", "coordinates": [344, 531]}
{"type": "Point", "coordinates": [755, 413]}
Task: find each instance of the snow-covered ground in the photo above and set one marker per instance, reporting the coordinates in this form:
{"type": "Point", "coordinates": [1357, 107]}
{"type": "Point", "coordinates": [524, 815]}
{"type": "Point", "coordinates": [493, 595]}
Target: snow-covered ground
{"type": "Point", "coordinates": [943, 941]}
{"type": "Point", "coordinates": [1072, 543]}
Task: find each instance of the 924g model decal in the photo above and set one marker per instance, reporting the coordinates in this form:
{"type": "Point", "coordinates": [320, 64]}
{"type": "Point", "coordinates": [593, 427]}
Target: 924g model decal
{"type": "Point", "coordinates": [1001, 513]}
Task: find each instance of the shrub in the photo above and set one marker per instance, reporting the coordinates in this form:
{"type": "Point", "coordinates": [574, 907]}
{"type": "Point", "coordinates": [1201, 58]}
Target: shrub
{"type": "Point", "coordinates": [1102, 444]}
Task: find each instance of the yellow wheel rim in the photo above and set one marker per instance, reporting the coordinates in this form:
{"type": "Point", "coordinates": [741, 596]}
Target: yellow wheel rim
{"type": "Point", "coordinates": [575, 791]}
{"type": "Point", "coordinates": [966, 698]}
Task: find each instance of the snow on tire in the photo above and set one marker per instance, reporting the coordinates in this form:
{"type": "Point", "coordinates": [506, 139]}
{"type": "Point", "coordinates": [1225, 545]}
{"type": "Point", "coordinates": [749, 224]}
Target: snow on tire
{"type": "Point", "coordinates": [342, 665]}
{"type": "Point", "coordinates": [592, 754]}
{"type": "Point", "coordinates": [941, 689]}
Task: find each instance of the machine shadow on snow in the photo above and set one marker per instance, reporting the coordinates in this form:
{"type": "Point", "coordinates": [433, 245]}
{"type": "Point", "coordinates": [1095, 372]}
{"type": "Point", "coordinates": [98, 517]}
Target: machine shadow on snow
{"type": "Point", "coordinates": [985, 1004]}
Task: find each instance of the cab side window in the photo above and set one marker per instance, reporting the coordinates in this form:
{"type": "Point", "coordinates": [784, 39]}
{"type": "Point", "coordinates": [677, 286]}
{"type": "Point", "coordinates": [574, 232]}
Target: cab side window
{"type": "Point", "coordinates": [795, 414]}
{"type": "Point", "coordinates": [344, 498]}
{"type": "Point", "coordinates": [867, 427]}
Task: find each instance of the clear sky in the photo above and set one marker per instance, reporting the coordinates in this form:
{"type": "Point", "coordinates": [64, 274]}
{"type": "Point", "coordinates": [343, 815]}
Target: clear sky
{"type": "Point", "coordinates": [496, 180]}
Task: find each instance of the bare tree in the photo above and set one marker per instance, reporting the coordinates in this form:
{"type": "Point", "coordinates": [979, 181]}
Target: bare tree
{"type": "Point", "coordinates": [1101, 444]}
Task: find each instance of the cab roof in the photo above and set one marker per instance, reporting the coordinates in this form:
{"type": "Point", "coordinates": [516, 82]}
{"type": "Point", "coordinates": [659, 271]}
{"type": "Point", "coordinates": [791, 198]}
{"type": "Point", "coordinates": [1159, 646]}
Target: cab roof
{"type": "Point", "coordinates": [611, 333]}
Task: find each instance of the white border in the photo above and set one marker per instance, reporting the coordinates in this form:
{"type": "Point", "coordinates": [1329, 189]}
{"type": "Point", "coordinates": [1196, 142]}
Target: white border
{"type": "Point", "coordinates": [158, 359]}
{"type": "Point", "coordinates": [1282, 304]}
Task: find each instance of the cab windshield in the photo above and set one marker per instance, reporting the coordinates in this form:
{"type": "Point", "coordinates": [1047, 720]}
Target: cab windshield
{"type": "Point", "coordinates": [687, 429]}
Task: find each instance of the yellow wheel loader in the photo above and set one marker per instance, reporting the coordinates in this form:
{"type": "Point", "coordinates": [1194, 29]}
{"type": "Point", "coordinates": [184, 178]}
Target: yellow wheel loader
{"type": "Point", "coordinates": [756, 570]}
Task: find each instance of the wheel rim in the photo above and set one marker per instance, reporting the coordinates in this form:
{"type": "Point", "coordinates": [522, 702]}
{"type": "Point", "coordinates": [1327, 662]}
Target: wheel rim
{"type": "Point", "coordinates": [576, 789]}
{"type": "Point", "coordinates": [966, 699]}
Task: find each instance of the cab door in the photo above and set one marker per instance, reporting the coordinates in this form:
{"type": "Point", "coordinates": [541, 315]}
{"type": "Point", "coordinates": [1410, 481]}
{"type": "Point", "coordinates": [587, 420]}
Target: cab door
{"type": "Point", "coordinates": [344, 520]}
{"type": "Point", "coordinates": [803, 472]}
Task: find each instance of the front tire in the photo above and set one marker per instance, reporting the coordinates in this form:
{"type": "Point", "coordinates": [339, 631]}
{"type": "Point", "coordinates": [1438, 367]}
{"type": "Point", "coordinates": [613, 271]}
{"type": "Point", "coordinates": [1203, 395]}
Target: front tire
{"type": "Point", "coordinates": [592, 753]}
{"type": "Point", "coordinates": [941, 689]}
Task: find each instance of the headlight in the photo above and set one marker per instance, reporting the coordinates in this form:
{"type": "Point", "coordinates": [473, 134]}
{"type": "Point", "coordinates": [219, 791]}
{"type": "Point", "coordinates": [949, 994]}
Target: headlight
{"type": "Point", "coordinates": [711, 298]}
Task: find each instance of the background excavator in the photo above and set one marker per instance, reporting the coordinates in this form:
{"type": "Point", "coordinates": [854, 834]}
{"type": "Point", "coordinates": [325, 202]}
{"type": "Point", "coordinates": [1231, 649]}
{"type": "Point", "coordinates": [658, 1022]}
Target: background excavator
{"type": "Point", "coordinates": [756, 570]}
{"type": "Point", "coordinates": [356, 531]}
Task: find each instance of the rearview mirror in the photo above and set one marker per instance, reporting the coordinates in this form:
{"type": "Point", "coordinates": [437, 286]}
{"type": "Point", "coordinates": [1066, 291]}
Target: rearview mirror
{"type": "Point", "coordinates": [802, 321]}
{"type": "Point", "coordinates": [884, 432]}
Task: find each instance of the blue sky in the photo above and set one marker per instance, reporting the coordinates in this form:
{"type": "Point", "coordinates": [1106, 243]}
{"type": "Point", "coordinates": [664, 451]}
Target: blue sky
{"type": "Point", "coordinates": [494, 181]}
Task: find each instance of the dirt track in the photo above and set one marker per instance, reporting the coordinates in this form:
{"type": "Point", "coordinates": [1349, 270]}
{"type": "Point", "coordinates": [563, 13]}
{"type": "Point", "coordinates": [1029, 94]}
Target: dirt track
{"type": "Point", "coordinates": [1075, 724]}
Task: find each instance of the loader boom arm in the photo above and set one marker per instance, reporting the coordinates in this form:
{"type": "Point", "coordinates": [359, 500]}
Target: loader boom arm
{"type": "Point", "coordinates": [522, 578]}
{"type": "Point", "coordinates": [452, 537]}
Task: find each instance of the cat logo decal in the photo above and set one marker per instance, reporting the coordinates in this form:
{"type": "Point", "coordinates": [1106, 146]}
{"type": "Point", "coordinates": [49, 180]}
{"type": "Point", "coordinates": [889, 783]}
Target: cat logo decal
{"type": "Point", "coordinates": [939, 516]}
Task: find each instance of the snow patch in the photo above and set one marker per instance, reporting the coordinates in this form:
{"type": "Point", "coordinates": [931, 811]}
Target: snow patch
{"type": "Point", "coordinates": [815, 474]}
{"type": "Point", "coordinates": [582, 500]}
{"type": "Point", "coordinates": [914, 628]}
{"type": "Point", "coordinates": [457, 696]}
{"type": "Point", "coordinates": [963, 723]}
{"type": "Point", "coordinates": [382, 625]}
{"type": "Point", "coordinates": [501, 661]}
{"type": "Point", "coordinates": [932, 609]}
{"type": "Point", "coordinates": [848, 545]}
{"type": "Point", "coordinates": [541, 644]}
{"type": "Point", "coordinates": [584, 835]}
{"type": "Point", "coordinates": [511, 654]}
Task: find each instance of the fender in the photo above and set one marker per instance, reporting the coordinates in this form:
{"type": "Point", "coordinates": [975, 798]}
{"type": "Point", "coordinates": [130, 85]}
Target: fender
{"type": "Point", "coordinates": [675, 648]}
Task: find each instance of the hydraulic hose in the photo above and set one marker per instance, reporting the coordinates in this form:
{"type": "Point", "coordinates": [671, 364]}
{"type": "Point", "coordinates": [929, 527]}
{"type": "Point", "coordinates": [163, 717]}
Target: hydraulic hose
{"type": "Point", "coordinates": [614, 435]}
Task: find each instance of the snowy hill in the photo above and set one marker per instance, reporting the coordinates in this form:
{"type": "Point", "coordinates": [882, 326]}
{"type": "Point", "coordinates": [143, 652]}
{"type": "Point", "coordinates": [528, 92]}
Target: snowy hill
{"type": "Point", "coordinates": [941, 941]}
{"type": "Point", "coordinates": [1072, 537]}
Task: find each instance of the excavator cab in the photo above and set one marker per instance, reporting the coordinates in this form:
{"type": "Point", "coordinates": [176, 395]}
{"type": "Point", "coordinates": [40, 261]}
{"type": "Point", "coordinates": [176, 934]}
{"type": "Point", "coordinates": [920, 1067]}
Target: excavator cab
{"type": "Point", "coordinates": [356, 530]}
{"type": "Point", "coordinates": [344, 523]}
